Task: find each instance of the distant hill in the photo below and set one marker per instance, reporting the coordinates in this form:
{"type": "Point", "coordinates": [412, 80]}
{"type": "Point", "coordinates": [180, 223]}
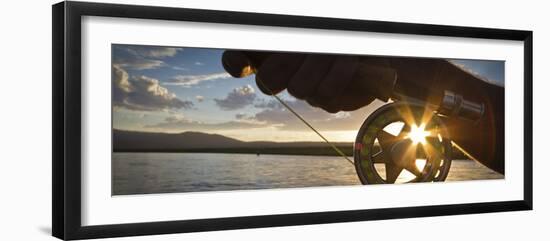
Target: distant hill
{"type": "Point", "coordinates": [133, 141]}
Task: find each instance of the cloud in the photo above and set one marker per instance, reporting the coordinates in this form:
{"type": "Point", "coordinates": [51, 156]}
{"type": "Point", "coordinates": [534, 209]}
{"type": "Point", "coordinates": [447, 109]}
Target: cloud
{"type": "Point", "coordinates": [467, 69]}
{"type": "Point", "coordinates": [180, 68]}
{"type": "Point", "coordinates": [181, 123]}
{"type": "Point", "coordinates": [275, 114]}
{"type": "Point", "coordinates": [121, 84]}
{"type": "Point", "coordinates": [153, 51]}
{"type": "Point", "coordinates": [139, 63]}
{"type": "Point", "coordinates": [142, 57]}
{"type": "Point", "coordinates": [490, 71]}
{"type": "Point", "coordinates": [199, 63]}
{"type": "Point", "coordinates": [237, 98]}
{"type": "Point", "coordinates": [143, 93]}
{"type": "Point", "coordinates": [190, 80]}
{"type": "Point", "coordinates": [243, 116]}
{"type": "Point", "coordinates": [199, 98]}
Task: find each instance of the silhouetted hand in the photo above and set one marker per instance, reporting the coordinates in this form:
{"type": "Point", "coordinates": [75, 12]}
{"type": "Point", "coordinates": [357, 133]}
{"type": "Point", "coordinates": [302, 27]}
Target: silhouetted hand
{"type": "Point", "coordinates": [320, 79]}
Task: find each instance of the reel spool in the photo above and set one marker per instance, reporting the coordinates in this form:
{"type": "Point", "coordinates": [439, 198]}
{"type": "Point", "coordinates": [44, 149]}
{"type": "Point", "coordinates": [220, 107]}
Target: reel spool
{"type": "Point", "coordinates": [402, 142]}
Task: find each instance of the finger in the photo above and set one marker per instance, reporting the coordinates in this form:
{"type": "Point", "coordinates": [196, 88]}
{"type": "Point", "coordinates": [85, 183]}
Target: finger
{"type": "Point", "coordinates": [350, 100]}
{"type": "Point", "coordinates": [305, 81]}
{"type": "Point", "coordinates": [236, 63]}
{"type": "Point", "coordinates": [337, 79]}
{"type": "Point", "coordinates": [256, 58]}
{"type": "Point", "coordinates": [242, 63]}
{"type": "Point", "coordinates": [344, 103]}
{"type": "Point", "coordinates": [312, 102]}
{"type": "Point", "coordinates": [351, 103]}
{"type": "Point", "coordinates": [331, 107]}
{"type": "Point", "coordinates": [275, 73]}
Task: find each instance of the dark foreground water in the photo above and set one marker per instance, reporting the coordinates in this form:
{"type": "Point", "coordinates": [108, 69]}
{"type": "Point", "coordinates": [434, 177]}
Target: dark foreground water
{"type": "Point", "coordinates": [141, 173]}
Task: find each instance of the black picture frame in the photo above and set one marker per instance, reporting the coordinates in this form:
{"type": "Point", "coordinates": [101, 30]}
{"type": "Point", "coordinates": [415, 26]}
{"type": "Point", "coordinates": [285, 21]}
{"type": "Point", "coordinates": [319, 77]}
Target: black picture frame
{"type": "Point", "coordinates": [66, 128]}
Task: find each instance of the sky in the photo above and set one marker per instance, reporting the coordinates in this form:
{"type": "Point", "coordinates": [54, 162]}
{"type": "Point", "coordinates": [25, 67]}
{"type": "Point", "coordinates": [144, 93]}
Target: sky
{"type": "Point", "coordinates": [173, 90]}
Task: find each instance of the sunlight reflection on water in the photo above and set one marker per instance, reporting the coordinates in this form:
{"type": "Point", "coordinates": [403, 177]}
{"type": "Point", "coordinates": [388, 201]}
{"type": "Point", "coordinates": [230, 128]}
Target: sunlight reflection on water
{"type": "Point", "coordinates": [140, 173]}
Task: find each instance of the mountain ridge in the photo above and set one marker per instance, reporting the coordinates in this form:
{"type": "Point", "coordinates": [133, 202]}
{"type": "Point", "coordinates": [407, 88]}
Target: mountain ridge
{"type": "Point", "coordinates": [125, 140]}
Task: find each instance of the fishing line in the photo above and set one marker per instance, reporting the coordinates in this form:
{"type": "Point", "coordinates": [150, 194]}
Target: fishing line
{"type": "Point", "coordinates": [334, 147]}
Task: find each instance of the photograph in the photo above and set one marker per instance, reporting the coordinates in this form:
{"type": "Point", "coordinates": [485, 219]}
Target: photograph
{"type": "Point", "coordinates": [191, 119]}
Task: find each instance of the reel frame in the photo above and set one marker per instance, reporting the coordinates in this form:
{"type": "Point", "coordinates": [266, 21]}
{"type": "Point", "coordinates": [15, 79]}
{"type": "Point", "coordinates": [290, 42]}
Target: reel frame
{"type": "Point", "coordinates": [438, 161]}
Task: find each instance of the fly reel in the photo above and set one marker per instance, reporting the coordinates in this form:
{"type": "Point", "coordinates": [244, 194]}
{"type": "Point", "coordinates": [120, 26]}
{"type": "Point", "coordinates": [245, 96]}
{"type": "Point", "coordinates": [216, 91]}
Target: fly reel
{"type": "Point", "coordinates": [402, 142]}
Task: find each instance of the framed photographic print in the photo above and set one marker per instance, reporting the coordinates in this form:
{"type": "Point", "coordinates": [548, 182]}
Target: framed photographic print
{"type": "Point", "coordinates": [170, 120]}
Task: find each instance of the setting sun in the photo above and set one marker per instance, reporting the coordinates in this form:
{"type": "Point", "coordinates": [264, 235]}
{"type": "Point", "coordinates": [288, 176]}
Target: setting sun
{"type": "Point", "coordinates": [418, 134]}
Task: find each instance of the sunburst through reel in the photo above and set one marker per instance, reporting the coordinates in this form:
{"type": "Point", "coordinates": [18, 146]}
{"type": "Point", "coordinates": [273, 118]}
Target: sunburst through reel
{"type": "Point", "coordinates": [402, 142]}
